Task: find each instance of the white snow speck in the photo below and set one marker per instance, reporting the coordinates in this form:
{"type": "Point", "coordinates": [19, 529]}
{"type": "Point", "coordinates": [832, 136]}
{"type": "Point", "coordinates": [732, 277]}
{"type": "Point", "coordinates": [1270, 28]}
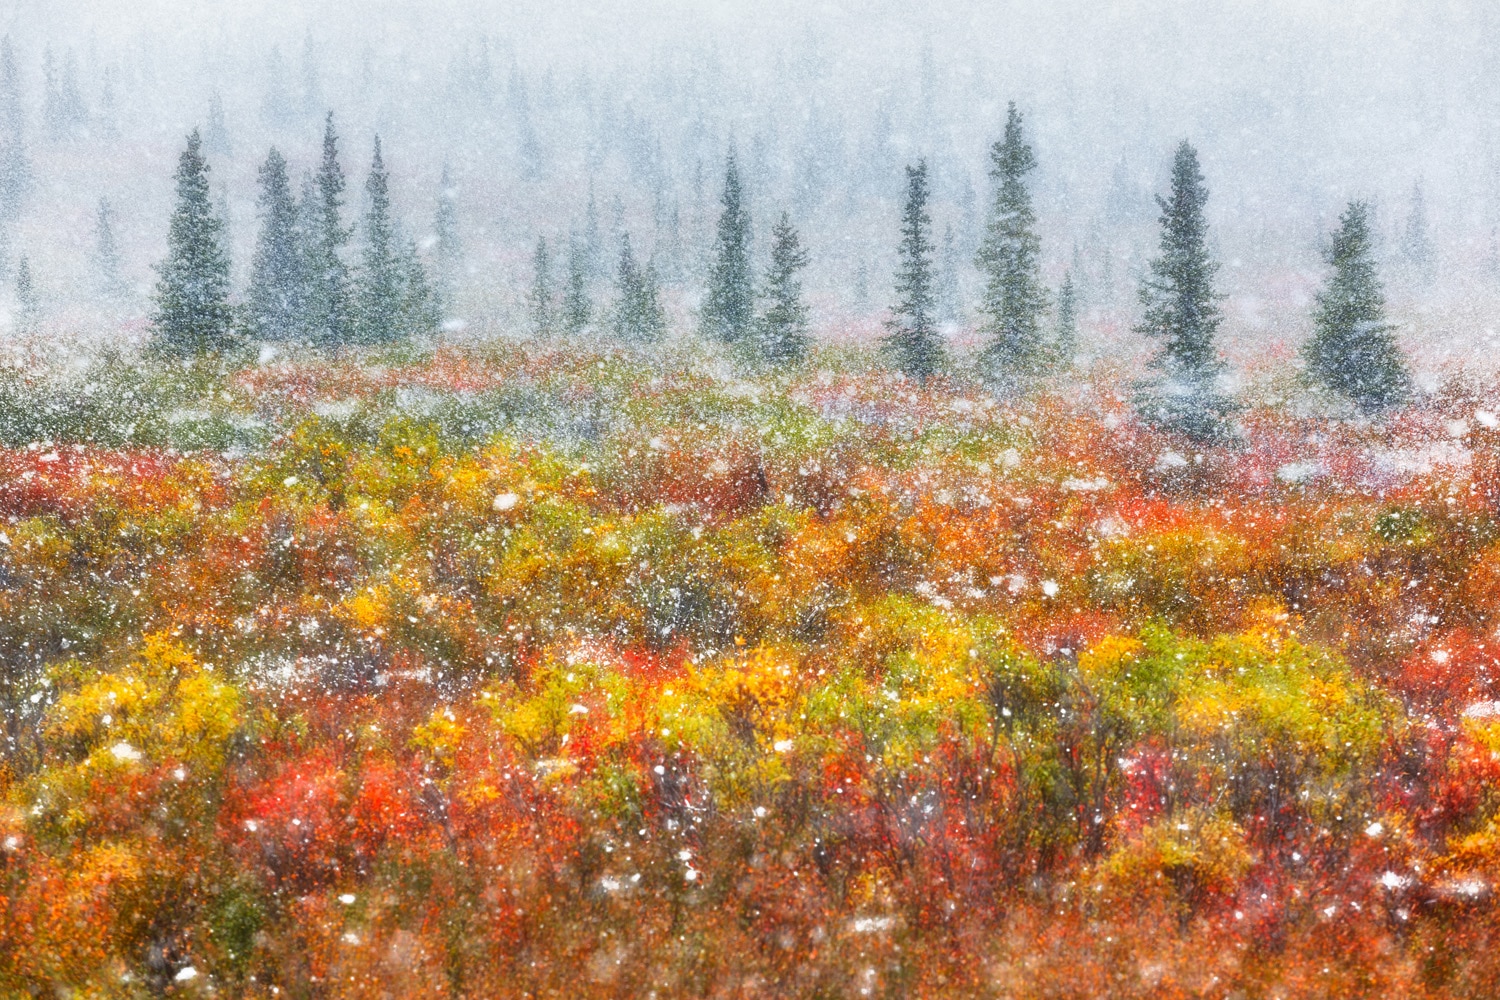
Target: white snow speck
{"type": "Point", "coordinates": [185, 973]}
{"type": "Point", "coordinates": [347, 899]}
{"type": "Point", "coordinates": [1169, 460]}
{"type": "Point", "coordinates": [782, 746]}
{"type": "Point", "coordinates": [871, 925]}
{"type": "Point", "coordinates": [1049, 587]}
{"type": "Point", "coordinates": [124, 751]}
{"type": "Point", "coordinates": [1298, 472]}
{"type": "Point", "coordinates": [505, 501]}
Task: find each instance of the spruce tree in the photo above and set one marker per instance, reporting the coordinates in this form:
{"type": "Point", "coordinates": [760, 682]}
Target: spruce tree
{"type": "Point", "coordinates": [1065, 340]}
{"type": "Point", "coordinates": [1008, 257]}
{"type": "Point", "coordinates": [277, 297]}
{"type": "Point", "coordinates": [108, 281]}
{"type": "Point", "coordinates": [192, 313]}
{"type": "Point", "coordinates": [593, 238]}
{"type": "Point", "coordinates": [783, 326]}
{"type": "Point", "coordinates": [577, 310]}
{"type": "Point", "coordinates": [1181, 314]}
{"type": "Point", "coordinates": [28, 306]}
{"type": "Point", "coordinates": [330, 312]}
{"type": "Point", "coordinates": [380, 275]}
{"type": "Point", "coordinates": [447, 248]}
{"type": "Point", "coordinates": [420, 309]}
{"type": "Point", "coordinates": [52, 100]}
{"type": "Point", "coordinates": [75, 113]}
{"type": "Point", "coordinates": [639, 317]}
{"type": "Point", "coordinates": [1352, 350]}
{"type": "Point", "coordinates": [15, 166]}
{"type": "Point", "coordinates": [216, 133]}
{"type": "Point", "coordinates": [949, 298]}
{"type": "Point", "coordinates": [728, 311]}
{"type": "Point", "coordinates": [539, 300]}
{"type": "Point", "coordinates": [1416, 246]}
{"type": "Point", "coordinates": [913, 343]}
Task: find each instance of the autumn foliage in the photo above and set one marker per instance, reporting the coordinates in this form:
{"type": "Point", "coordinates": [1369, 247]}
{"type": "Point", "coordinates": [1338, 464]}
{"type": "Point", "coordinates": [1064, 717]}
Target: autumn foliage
{"type": "Point", "coordinates": [523, 674]}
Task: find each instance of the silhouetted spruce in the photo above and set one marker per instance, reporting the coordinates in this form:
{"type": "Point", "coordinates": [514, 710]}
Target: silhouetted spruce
{"type": "Point", "coordinates": [782, 330]}
{"type": "Point", "coordinates": [729, 306]}
{"type": "Point", "coordinates": [420, 308]}
{"type": "Point", "coordinates": [75, 113]}
{"type": "Point", "coordinates": [539, 301]}
{"type": "Point", "coordinates": [1014, 299]}
{"type": "Point", "coordinates": [1416, 245]}
{"type": "Point", "coordinates": [1065, 338]}
{"type": "Point", "coordinates": [216, 132]}
{"type": "Point", "coordinates": [380, 275]}
{"type": "Point", "coordinates": [52, 102]}
{"type": "Point", "coordinates": [639, 317]}
{"type": "Point", "coordinates": [1352, 350]}
{"type": "Point", "coordinates": [330, 311]}
{"type": "Point", "coordinates": [447, 249]}
{"type": "Point", "coordinates": [192, 313]}
{"type": "Point", "coordinates": [912, 343]}
{"type": "Point", "coordinates": [28, 305]}
{"type": "Point", "coordinates": [108, 281]}
{"type": "Point", "coordinates": [577, 310]}
{"type": "Point", "coordinates": [1181, 314]}
{"type": "Point", "coordinates": [276, 301]}
{"type": "Point", "coordinates": [949, 297]}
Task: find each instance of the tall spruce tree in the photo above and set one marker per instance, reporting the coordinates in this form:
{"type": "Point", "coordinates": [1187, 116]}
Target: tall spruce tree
{"type": "Point", "coordinates": [1014, 299]}
{"type": "Point", "coordinates": [729, 308]}
{"type": "Point", "coordinates": [1416, 245]}
{"type": "Point", "coordinates": [192, 313]}
{"type": "Point", "coordinates": [593, 238]}
{"type": "Point", "coordinates": [277, 298]}
{"type": "Point", "coordinates": [913, 343]}
{"type": "Point", "coordinates": [330, 311]}
{"type": "Point", "coordinates": [28, 304]}
{"type": "Point", "coordinates": [52, 100]}
{"type": "Point", "coordinates": [216, 133]}
{"type": "Point", "coordinates": [1181, 314]}
{"type": "Point", "coordinates": [949, 297]}
{"type": "Point", "coordinates": [639, 317]}
{"type": "Point", "coordinates": [539, 301]}
{"type": "Point", "coordinates": [108, 281]}
{"type": "Point", "coordinates": [420, 308]}
{"type": "Point", "coordinates": [447, 249]}
{"type": "Point", "coordinates": [577, 310]}
{"type": "Point", "coordinates": [75, 113]}
{"type": "Point", "coordinates": [15, 165]}
{"type": "Point", "coordinates": [1353, 350]}
{"type": "Point", "coordinates": [380, 275]}
{"type": "Point", "coordinates": [783, 337]}
{"type": "Point", "coordinates": [1065, 339]}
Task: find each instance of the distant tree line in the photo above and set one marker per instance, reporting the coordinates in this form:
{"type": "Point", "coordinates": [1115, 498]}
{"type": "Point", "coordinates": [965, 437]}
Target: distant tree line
{"type": "Point", "coordinates": [302, 288]}
{"type": "Point", "coordinates": [1352, 351]}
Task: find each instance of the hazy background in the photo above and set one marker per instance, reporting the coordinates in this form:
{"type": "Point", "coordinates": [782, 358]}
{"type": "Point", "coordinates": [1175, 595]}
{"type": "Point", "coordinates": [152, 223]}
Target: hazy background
{"type": "Point", "coordinates": [1296, 106]}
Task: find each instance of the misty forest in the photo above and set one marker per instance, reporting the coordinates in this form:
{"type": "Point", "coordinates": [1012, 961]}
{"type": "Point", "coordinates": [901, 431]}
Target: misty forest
{"type": "Point", "coordinates": [653, 499]}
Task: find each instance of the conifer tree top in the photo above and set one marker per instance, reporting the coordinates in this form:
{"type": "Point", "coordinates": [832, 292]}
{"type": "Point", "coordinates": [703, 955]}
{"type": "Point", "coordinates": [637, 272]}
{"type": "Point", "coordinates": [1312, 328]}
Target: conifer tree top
{"type": "Point", "coordinates": [192, 299]}
{"type": "Point", "coordinates": [1181, 309]}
